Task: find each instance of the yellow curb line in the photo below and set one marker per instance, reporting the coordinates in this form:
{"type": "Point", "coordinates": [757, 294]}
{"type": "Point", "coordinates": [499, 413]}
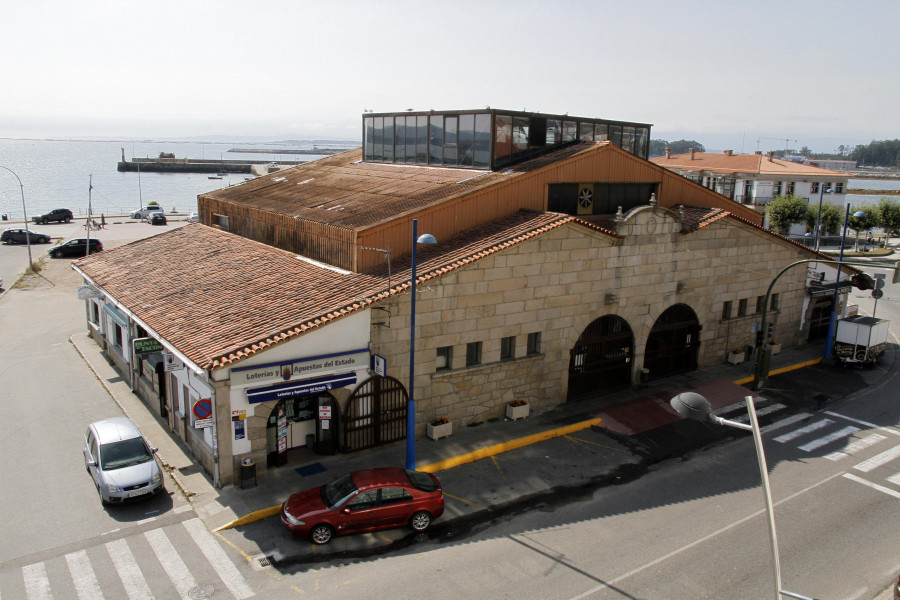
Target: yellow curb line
{"type": "Point", "coordinates": [802, 365]}
{"type": "Point", "coordinates": [507, 446]}
{"type": "Point", "coordinates": [254, 516]}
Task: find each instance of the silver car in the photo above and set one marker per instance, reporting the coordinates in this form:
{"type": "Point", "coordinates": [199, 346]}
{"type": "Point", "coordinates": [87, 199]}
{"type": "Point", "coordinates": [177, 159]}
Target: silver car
{"type": "Point", "coordinates": [124, 467]}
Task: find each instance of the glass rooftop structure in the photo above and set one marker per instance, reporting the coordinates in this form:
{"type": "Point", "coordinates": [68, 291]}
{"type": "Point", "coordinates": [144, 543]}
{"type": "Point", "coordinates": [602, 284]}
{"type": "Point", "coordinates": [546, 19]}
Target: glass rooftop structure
{"type": "Point", "coordinates": [487, 139]}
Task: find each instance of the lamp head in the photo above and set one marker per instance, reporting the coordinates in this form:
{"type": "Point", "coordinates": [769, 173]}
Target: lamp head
{"type": "Point", "coordinates": [859, 214]}
{"type": "Point", "coordinates": [426, 238]}
{"type": "Point", "coordinates": [692, 405]}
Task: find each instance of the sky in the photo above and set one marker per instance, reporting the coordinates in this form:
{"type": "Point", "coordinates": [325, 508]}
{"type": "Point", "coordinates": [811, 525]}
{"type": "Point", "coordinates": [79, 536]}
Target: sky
{"type": "Point", "coordinates": [738, 75]}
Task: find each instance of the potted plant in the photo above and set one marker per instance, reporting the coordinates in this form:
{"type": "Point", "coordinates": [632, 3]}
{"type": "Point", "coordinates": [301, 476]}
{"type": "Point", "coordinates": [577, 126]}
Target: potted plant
{"type": "Point", "coordinates": [439, 428]}
{"type": "Point", "coordinates": [736, 356]}
{"type": "Point", "coordinates": [517, 410]}
{"type": "Point", "coordinates": [776, 348]}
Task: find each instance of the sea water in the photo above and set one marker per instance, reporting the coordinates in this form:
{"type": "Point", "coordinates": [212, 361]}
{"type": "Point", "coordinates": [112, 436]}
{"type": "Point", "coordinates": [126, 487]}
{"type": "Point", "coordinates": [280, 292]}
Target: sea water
{"type": "Point", "coordinates": [71, 174]}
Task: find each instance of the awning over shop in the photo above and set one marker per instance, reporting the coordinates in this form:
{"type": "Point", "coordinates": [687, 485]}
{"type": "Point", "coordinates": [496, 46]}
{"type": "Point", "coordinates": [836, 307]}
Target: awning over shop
{"type": "Point", "coordinates": [116, 315]}
{"type": "Point", "coordinates": [300, 388]}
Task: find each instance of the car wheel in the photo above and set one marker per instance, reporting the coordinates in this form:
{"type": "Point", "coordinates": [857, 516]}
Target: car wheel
{"type": "Point", "coordinates": [420, 521]}
{"type": "Point", "coordinates": [54, 254]}
{"type": "Point", "coordinates": [67, 219]}
{"type": "Point", "coordinates": [321, 534]}
{"type": "Point", "coordinates": [45, 220]}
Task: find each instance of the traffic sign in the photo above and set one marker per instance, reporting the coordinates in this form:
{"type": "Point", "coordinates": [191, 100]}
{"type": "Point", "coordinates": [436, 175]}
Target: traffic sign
{"type": "Point", "coordinates": [877, 294]}
{"type": "Point", "coordinates": [203, 408]}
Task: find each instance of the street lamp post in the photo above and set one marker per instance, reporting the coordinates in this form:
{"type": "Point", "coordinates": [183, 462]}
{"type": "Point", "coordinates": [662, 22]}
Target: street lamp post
{"type": "Point", "coordinates": [822, 191]}
{"type": "Point", "coordinates": [697, 408]}
{"type": "Point", "coordinates": [425, 238]}
{"type": "Point", "coordinates": [24, 214]}
{"type": "Point", "coordinates": [831, 323]}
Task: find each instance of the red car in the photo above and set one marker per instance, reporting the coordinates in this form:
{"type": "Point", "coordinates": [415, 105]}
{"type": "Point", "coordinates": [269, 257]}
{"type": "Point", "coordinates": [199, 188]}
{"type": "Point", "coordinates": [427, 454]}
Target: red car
{"type": "Point", "coordinates": [365, 501]}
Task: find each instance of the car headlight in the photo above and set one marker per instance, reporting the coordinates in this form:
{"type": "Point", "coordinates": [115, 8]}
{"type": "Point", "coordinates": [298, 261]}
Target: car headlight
{"type": "Point", "coordinates": [157, 477]}
{"type": "Point", "coordinates": [290, 519]}
{"type": "Point", "coordinates": [112, 488]}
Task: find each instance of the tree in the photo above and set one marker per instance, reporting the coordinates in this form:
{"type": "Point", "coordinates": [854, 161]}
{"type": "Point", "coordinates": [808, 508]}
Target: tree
{"type": "Point", "coordinates": [830, 220]}
{"type": "Point", "coordinates": [784, 211]}
{"type": "Point", "coordinates": [658, 147]}
{"type": "Point", "coordinates": [888, 214]}
{"type": "Point", "coordinates": [863, 223]}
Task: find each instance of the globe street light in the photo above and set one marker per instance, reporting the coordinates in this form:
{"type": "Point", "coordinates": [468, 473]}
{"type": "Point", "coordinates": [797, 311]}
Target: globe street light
{"type": "Point", "coordinates": [697, 408]}
{"type": "Point", "coordinates": [822, 191]}
{"type": "Point", "coordinates": [831, 323]}
{"type": "Point", "coordinates": [24, 214]}
{"type": "Point", "coordinates": [425, 238]}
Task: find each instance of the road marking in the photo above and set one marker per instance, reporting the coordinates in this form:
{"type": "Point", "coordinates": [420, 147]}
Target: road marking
{"type": "Point", "coordinates": [760, 413]}
{"type": "Point", "coordinates": [831, 437]}
{"type": "Point", "coordinates": [866, 423]}
{"type": "Point", "coordinates": [129, 572]}
{"type": "Point", "coordinates": [856, 446]}
{"type": "Point", "coordinates": [803, 431]}
{"type": "Point", "coordinates": [699, 541]}
{"type": "Point", "coordinates": [895, 479]}
{"type": "Point", "coordinates": [784, 422]}
{"type": "Point", "coordinates": [874, 486]}
{"type": "Point", "coordinates": [216, 556]}
{"type": "Point", "coordinates": [878, 460]}
{"type": "Point", "coordinates": [171, 561]}
{"type": "Point", "coordinates": [37, 586]}
{"type": "Point", "coordinates": [86, 584]}
{"type": "Point", "coordinates": [469, 502]}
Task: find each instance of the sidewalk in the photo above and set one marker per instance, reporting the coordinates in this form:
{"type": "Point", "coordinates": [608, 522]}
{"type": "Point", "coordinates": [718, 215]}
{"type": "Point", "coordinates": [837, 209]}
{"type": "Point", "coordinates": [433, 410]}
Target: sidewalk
{"type": "Point", "coordinates": [613, 434]}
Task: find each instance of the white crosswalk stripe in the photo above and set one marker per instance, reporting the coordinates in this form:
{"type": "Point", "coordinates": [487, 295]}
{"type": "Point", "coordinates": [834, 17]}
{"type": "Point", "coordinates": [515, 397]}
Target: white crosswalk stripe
{"type": "Point", "coordinates": [129, 572]}
{"type": "Point", "coordinates": [792, 435]}
{"type": "Point", "coordinates": [786, 422]}
{"type": "Point", "coordinates": [159, 563]}
{"type": "Point", "coordinates": [856, 446]}
{"type": "Point", "coordinates": [878, 460]}
{"type": "Point", "coordinates": [170, 560]}
{"type": "Point", "coordinates": [86, 585]}
{"type": "Point", "coordinates": [218, 559]}
{"type": "Point", "coordinates": [827, 439]}
{"type": "Point", "coordinates": [895, 479]}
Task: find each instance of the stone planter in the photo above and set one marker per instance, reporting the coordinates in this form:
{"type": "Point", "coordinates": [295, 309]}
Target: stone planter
{"type": "Point", "coordinates": [735, 358]}
{"type": "Point", "coordinates": [517, 412]}
{"type": "Point", "coordinates": [437, 432]}
{"type": "Point", "coordinates": [776, 348]}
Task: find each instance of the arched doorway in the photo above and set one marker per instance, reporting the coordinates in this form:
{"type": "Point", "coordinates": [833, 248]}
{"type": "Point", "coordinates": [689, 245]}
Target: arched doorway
{"type": "Point", "coordinates": [673, 345]}
{"type": "Point", "coordinates": [376, 414]}
{"type": "Point", "coordinates": [601, 360]}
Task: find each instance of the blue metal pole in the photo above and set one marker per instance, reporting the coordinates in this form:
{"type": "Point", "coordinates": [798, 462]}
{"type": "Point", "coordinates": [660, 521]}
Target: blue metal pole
{"type": "Point", "coordinates": [411, 405]}
{"type": "Point", "coordinates": [831, 323]}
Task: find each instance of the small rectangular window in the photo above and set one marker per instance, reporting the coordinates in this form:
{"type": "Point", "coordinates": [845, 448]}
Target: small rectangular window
{"type": "Point", "coordinates": [776, 188]}
{"type": "Point", "coordinates": [790, 189]}
{"type": "Point", "coordinates": [773, 305]}
{"type": "Point", "coordinates": [222, 221]}
{"type": "Point", "coordinates": [839, 188]}
{"type": "Point", "coordinates": [742, 307]}
{"type": "Point", "coordinates": [726, 310]}
{"type": "Point", "coordinates": [534, 343]}
{"type": "Point", "coordinates": [473, 354]}
{"type": "Point", "coordinates": [444, 359]}
{"type": "Point", "coordinates": [508, 348]}
{"type": "Point", "coordinates": [760, 303]}
{"type": "Point", "coordinates": [814, 187]}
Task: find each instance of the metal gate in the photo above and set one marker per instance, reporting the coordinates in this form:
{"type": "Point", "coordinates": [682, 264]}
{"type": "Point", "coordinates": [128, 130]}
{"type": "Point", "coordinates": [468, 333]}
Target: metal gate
{"type": "Point", "coordinates": [820, 318]}
{"type": "Point", "coordinates": [601, 359]}
{"type": "Point", "coordinates": [673, 345]}
{"type": "Point", "coordinates": [376, 414]}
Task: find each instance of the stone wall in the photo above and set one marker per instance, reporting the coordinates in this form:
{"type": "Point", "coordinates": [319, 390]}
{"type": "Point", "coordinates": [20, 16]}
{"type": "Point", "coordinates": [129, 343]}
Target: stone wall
{"type": "Point", "coordinates": [561, 281]}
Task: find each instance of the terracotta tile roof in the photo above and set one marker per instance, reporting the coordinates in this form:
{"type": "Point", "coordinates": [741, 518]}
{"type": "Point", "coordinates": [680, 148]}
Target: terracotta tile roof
{"type": "Point", "coordinates": [750, 164]}
{"type": "Point", "coordinates": [342, 190]}
{"type": "Point", "coordinates": [220, 298]}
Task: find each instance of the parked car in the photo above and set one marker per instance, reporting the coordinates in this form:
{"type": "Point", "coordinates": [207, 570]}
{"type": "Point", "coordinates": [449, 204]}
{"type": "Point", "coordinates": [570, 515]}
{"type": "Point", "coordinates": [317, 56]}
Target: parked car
{"type": "Point", "coordinates": [75, 247]}
{"type": "Point", "coordinates": [21, 236]}
{"type": "Point", "coordinates": [365, 501]}
{"type": "Point", "coordinates": [193, 218]}
{"type": "Point", "coordinates": [60, 215]}
{"type": "Point", "coordinates": [121, 462]}
{"type": "Point", "coordinates": [145, 212]}
{"type": "Point", "coordinates": [157, 218]}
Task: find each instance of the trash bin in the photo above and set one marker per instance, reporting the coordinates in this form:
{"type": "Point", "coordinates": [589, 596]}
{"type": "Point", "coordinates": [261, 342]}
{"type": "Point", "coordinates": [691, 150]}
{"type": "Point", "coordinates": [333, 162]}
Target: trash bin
{"type": "Point", "coordinates": [311, 441]}
{"type": "Point", "coordinates": [645, 375]}
{"type": "Point", "coordinates": [248, 471]}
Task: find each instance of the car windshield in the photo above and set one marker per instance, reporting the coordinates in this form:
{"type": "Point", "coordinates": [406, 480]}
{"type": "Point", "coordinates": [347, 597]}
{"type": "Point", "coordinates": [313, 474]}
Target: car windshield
{"type": "Point", "coordinates": [337, 490]}
{"type": "Point", "coordinates": [126, 453]}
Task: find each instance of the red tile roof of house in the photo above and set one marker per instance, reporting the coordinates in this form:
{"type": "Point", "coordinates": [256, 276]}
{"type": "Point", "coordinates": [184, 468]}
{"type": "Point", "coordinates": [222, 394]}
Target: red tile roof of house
{"type": "Point", "coordinates": [751, 164]}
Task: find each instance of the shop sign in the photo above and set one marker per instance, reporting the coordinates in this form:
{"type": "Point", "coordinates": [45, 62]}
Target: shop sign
{"type": "Point", "coordinates": [300, 388]}
{"type": "Point", "coordinates": [146, 345]}
{"type": "Point", "coordinates": [285, 371]}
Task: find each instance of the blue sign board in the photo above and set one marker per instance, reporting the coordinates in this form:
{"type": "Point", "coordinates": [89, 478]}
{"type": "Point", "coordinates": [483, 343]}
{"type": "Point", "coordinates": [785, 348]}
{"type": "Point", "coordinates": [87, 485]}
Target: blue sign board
{"type": "Point", "coordinates": [300, 388]}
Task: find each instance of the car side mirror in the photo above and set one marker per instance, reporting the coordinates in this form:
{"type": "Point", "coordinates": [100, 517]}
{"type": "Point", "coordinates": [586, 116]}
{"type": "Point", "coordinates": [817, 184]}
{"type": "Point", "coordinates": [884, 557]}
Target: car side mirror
{"type": "Point", "coordinates": [154, 450]}
{"type": "Point", "coordinates": [92, 463]}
